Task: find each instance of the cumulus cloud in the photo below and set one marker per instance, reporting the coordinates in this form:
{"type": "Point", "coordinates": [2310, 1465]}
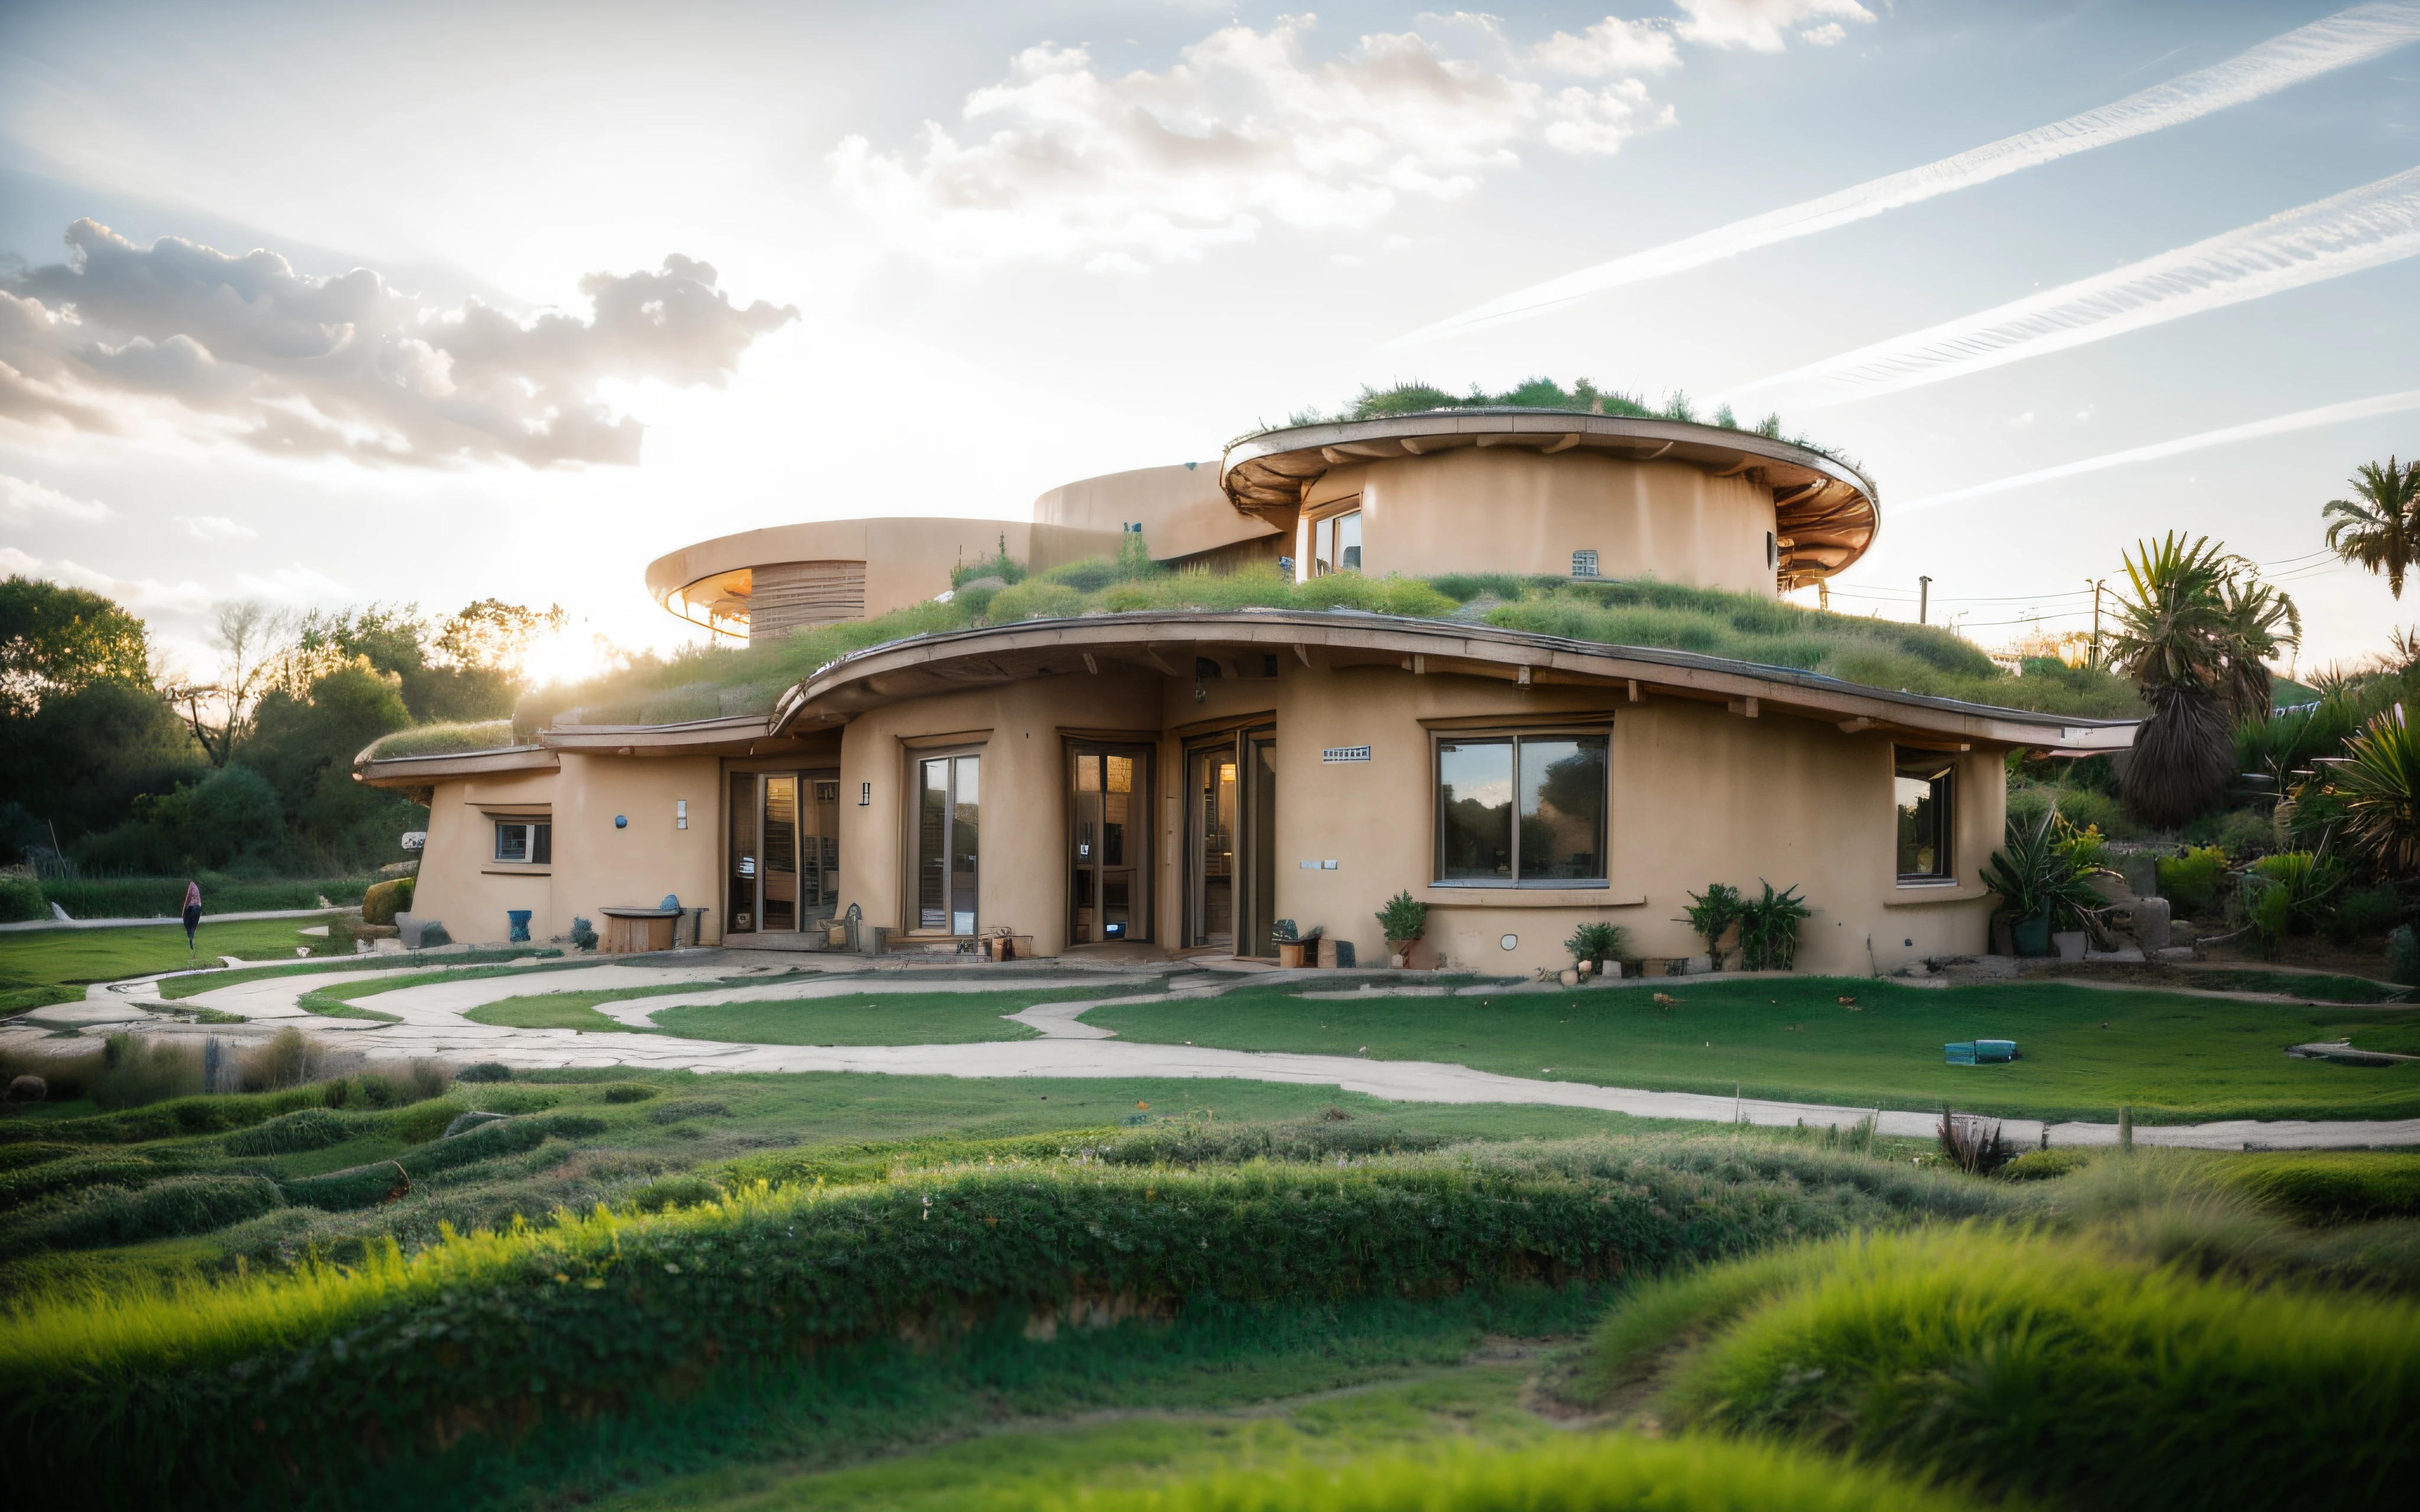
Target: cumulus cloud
{"type": "Point", "coordinates": [1243, 131]}
{"type": "Point", "coordinates": [1612, 45]}
{"type": "Point", "coordinates": [213, 527]}
{"type": "Point", "coordinates": [121, 338]}
{"type": "Point", "coordinates": [1760, 24]}
{"type": "Point", "coordinates": [146, 596]}
{"type": "Point", "coordinates": [21, 498]}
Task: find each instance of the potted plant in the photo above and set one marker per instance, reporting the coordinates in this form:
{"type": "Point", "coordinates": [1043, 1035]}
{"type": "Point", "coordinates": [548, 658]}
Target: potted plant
{"type": "Point", "coordinates": [1592, 945]}
{"type": "Point", "coordinates": [1404, 918]}
{"type": "Point", "coordinates": [2042, 885]}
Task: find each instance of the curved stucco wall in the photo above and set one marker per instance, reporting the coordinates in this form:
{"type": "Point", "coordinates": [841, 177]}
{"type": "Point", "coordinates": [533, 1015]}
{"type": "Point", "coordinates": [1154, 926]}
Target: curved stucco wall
{"type": "Point", "coordinates": [1182, 510]}
{"type": "Point", "coordinates": [1517, 511]}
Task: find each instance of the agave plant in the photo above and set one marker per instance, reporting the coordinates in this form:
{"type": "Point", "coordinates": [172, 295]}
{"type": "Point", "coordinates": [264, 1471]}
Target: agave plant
{"type": "Point", "coordinates": [1768, 930]}
{"type": "Point", "coordinates": [2380, 528]}
{"type": "Point", "coordinates": [2035, 874]}
{"type": "Point", "coordinates": [2379, 779]}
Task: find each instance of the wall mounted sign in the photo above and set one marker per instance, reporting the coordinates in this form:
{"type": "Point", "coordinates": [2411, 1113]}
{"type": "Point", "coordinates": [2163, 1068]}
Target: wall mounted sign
{"type": "Point", "coordinates": [1345, 753]}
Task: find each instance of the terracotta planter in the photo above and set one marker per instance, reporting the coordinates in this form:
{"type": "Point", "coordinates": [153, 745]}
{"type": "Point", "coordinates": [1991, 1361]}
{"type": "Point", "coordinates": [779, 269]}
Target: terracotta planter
{"type": "Point", "coordinates": [1290, 951]}
{"type": "Point", "coordinates": [1403, 949]}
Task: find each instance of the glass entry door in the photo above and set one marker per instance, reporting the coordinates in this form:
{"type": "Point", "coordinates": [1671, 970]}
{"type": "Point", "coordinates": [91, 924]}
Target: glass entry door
{"type": "Point", "coordinates": [1109, 844]}
{"type": "Point", "coordinates": [1211, 785]}
{"type": "Point", "coordinates": [784, 852]}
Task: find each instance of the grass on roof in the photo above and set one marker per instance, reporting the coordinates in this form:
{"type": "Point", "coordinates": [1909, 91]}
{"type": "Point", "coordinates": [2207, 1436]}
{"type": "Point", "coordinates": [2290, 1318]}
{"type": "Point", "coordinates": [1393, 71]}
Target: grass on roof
{"type": "Point", "coordinates": [706, 682]}
{"type": "Point", "coordinates": [448, 739]}
{"type": "Point", "coordinates": [1583, 396]}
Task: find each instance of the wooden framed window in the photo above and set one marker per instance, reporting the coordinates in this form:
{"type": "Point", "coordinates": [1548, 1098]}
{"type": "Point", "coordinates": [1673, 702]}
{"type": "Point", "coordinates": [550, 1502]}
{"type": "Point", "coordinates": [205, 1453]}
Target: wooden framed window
{"type": "Point", "coordinates": [525, 842]}
{"type": "Point", "coordinates": [1923, 789]}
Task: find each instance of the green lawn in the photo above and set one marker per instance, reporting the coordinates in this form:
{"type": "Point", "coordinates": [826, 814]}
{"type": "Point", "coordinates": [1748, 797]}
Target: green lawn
{"type": "Point", "coordinates": [1217, 1416]}
{"type": "Point", "coordinates": [37, 957]}
{"type": "Point", "coordinates": [887, 1018]}
{"type": "Point", "coordinates": [563, 1010]}
{"type": "Point", "coordinates": [2171, 1058]}
{"type": "Point", "coordinates": [187, 986]}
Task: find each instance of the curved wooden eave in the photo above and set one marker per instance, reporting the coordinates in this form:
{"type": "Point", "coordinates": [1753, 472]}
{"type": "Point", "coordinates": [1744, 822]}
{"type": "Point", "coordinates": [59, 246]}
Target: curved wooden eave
{"type": "Point", "coordinates": [1162, 644]}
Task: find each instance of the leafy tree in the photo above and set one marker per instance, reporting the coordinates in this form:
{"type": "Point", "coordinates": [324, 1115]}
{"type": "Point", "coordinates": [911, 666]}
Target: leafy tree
{"type": "Point", "coordinates": [2379, 527]}
{"type": "Point", "coordinates": [255, 644]}
{"type": "Point", "coordinates": [2194, 636]}
{"type": "Point", "coordinates": [79, 763]}
{"type": "Point", "coordinates": [205, 826]}
{"type": "Point", "coordinates": [55, 640]}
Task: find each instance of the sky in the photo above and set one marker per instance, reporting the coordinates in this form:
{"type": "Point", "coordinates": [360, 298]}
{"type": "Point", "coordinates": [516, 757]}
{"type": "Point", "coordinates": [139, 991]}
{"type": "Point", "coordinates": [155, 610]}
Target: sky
{"type": "Point", "coordinates": [329, 304]}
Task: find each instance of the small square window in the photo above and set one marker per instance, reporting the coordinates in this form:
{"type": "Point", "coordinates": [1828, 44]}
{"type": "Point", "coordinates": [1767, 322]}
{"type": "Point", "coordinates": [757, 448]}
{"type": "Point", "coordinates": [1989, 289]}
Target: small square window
{"type": "Point", "coordinates": [1583, 563]}
{"type": "Point", "coordinates": [525, 841]}
{"type": "Point", "coordinates": [1923, 789]}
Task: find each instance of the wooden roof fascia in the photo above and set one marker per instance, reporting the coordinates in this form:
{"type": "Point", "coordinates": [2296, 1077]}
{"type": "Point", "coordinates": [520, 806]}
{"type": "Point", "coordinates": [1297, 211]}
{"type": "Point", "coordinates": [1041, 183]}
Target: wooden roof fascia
{"type": "Point", "coordinates": [410, 772]}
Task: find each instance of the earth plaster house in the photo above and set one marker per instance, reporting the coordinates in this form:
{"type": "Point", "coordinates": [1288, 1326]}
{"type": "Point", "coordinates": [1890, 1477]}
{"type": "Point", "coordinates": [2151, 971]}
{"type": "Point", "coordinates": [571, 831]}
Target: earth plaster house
{"type": "Point", "coordinates": [1179, 781]}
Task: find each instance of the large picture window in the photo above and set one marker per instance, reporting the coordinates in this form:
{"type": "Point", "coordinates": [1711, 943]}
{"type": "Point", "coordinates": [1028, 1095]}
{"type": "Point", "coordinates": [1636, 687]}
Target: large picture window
{"type": "Point", "coordinates": [949, 814]}
{"type": "Point", "coordinates": [1922, 784]}
{"type": "Point", "coordinates": [1521, 810]}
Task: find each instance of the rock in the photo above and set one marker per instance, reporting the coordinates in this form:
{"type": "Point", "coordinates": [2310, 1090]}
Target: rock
{"type": "Point", "coordinates": [2151, 923]}
{"type": "Point", "coordinates": [27, 1090]}
{"type": "Point", "coordinates": [1570, 978]}
{"type": "Point", "coordinates": [2070, 944]}
{"type": "Point", "coordinates": [2130, 954]}
{"type": "Point", "coordinates": [1698, 965]}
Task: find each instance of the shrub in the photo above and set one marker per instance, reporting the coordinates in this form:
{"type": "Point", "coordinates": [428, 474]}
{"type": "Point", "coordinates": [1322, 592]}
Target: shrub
{"type": "Point", "coordinates": [2288, 893]}
{"type": "Point", "coordinates": [1712, 913]}
{"type": "Point", "coordinates": [675, 1192]}
{"type": "Point", "coordinates": [2335, 1186]}
{"type": "Point", "coordinates": [1595, 943]}
{"type": "Point", "coordinates": [629, 1092]}
{"type": "Point", "coordinates": [1403, 919]}
{"type": "Point", "coordinates": [2191, 880]}
{"type": "Point", "coordinates": [2035, 874]}
{"type": "Point", "coordinates": [485, 1071]}
{"type": "Point", "coordinates": [21, 899]}
{"type": "Point", "coordinates": [2379, 781]}
{"type": "Point", "coordinates": [2363, 914]}
{"type": "Point", "coordinates": [289, 1058]}
{"type": "Point", "coordinates": [291, 1134]}
{"type": "Point", "coordinates": [163, 1209]}
{"type": "Point", "coordinates": [137, 1070]}
{"type": "Point", "coordinates": [2403, 956]}
{"type": "Point", "coordinates": [380, 903]}
{"type": "Point", "coordinates": [1768, 930]}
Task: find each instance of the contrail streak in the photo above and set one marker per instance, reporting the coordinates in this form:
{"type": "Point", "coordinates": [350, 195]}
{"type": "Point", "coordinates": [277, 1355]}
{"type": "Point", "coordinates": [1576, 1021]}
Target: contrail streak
{"type": "Point", "coordinates": [2348, 37]}
{"type": "Point", "coordinates": [2378, 222]}
{"type": "Point", "coordinates": [2383, 403]}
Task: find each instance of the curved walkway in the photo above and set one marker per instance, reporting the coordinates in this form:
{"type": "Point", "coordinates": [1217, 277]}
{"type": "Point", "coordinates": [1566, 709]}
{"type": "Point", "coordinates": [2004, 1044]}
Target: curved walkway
{"type": "Point", "coordinates": [432, 1024]}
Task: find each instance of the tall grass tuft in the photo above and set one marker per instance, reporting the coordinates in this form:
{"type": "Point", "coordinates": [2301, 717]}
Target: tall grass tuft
{"type": "Point", "coordinates": [2058, 1370]}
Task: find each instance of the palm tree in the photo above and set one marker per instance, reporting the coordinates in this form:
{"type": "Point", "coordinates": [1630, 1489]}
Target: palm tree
{"type": "Point", "coordinates": [2382, 532]}
{"type": "Point", "coordinates": [2194, 637]}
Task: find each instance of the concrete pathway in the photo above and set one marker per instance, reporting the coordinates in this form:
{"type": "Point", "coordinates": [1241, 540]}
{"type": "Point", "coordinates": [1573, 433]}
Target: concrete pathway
{"type": "Point", "coordinates": [433, 1026]}
{"type": "Point", "coordinates": [208, 920]}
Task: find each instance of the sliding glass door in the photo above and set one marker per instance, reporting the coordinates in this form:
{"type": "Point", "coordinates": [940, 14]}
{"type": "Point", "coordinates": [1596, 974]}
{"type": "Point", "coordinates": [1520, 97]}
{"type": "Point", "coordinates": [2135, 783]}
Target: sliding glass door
{"type": "Point", "coordinates": [1212, 783]}
{"type": "Point", "coordinates": [784, 872]}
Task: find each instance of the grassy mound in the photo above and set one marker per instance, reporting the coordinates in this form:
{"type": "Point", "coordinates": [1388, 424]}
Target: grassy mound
{"type": "Point", "coordinates": [2052, 1367]}
{"type": "Point", "coordinates": [1615, 1474]}
{"type": "Point", "coordinates": [490, 1333]}
{"type": "Point", "coordinates": [708, 682]}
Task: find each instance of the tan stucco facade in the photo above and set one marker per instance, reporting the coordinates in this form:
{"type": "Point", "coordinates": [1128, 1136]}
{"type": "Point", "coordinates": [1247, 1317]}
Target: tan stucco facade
{"type": "Point", "coordinates": [1507, 511]}
{"type": "Point", "coordinates": [1716, 772]}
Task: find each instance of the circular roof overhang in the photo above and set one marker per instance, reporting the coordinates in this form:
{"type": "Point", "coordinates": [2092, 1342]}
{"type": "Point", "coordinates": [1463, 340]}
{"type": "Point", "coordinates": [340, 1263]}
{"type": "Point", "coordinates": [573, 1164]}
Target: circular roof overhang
{"type": "Point", "coordinates": [1826, 511]}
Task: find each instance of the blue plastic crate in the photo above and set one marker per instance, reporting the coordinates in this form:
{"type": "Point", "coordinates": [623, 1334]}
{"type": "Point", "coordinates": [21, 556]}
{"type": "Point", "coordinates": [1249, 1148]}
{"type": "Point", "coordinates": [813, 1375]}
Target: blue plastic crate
{"type": "Point", "coordinates": [1978, 1051]}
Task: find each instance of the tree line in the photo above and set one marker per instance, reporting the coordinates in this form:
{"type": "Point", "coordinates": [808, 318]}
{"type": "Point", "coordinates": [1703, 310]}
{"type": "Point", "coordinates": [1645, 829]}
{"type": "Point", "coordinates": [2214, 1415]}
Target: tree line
{"type": "Point", "coordinates": [113, 764]}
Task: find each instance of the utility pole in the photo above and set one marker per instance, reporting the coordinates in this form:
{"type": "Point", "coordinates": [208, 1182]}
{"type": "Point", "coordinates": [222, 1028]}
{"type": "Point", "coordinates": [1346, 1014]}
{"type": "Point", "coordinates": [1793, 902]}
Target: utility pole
{"type": "Point", "coordinates": [2096, 584]}
{"type": "Point", "coordinates": [1923, 599]}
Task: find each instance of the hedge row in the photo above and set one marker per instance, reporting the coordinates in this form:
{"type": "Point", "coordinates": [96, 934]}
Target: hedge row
{"type": "Point", "coordinates": [137, 1399]}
